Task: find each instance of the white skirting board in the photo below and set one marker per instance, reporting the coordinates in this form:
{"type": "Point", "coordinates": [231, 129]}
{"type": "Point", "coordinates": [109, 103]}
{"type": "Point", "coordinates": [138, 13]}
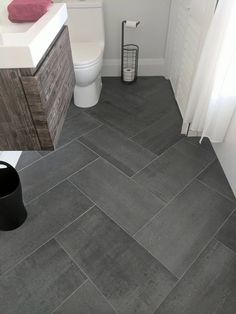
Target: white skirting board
{"type": "Point", "coordinates": [147, 67]}
{"type": "Point", "coordinates": [10, 157]}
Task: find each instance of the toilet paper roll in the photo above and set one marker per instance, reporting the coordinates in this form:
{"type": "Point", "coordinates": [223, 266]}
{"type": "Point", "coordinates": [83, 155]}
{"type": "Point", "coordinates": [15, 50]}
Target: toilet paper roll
{"type": "Point", "coordinates": [128, 74]}
{"type": "Point", "coordinates": [132, 24]}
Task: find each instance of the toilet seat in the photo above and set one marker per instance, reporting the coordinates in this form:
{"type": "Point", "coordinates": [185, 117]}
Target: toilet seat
{"type": "Point", "coordinates": [86, 54]}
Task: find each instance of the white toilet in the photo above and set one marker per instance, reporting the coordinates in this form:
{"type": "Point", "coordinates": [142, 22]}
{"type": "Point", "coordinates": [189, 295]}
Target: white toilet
{"type": "Point", "coordinates": [86, 28]}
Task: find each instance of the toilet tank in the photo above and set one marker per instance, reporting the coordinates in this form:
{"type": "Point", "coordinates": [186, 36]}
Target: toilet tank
{"type": "Point", "coordinates": [85, 21]}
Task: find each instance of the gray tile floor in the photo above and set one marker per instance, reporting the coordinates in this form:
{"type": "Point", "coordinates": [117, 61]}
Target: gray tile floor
{"type": "Point", "coordinates": [126, 216]}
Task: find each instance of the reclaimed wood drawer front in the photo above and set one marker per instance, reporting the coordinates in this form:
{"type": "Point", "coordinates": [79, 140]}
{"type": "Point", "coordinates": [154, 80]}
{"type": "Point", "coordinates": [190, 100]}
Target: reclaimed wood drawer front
{"type": "Point", "coordinates": [49, 91]}
{"type": "Point", "coordinates": [17, 131]}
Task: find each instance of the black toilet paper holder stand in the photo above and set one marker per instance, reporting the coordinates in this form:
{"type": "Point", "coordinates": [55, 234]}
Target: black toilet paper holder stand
{"type": "Point", "coordinates": [129, 56]}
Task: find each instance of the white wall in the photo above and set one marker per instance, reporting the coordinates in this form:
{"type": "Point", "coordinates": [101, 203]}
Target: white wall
{"type": "Point", "coordinates": [226, 152]}
{"type": "Point", "coordinates": [150, 36]}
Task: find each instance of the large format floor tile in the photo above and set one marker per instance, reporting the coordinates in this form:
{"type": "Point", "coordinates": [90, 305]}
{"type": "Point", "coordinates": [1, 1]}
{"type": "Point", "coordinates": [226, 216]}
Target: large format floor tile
{"type": "Point", "coordinates": [227, 234]}
{"type": "Point", "coordinates": [209, 287]}
{"type": "Point", "coordinates": [147, 108]}
{"type": "Point", "coordinates": [123, 98]}
{"type": "Point", "coordinates": [214, 177]}
{"type": "Point", "coordinates": [161, 135]}
{"type": "Point", "coordinates": [115, 117]}
{"type": "Point", "coordinates": [143, 87]}
{"type": "Point", "coordinates": [40, 283]}
{"type": "Point", "coordinates": [157, 106]}
{"type": "Point", "coordinates": [86, 300]}
{"type": "Point", "coordinates": [147, 86]}
{"type": "Point", "coordinates": [120, 197]}
{"type": "Point", "coordinates": [120, 151]}
{"type": "Point", "coordinates": [126, 156]}
{"type": "Point", "coordinates": [72, 110]}
{"type": "Point", "coordinates": [46, 216]}
{"type": "Point", "coordinates": [171, 172]}
{"type": "Point", "coordinates": [129, 111]}
{"type": "Point", "coordinates": [52, 169]}
{"type": "Point", "coordinates": [26, 159]}
{"type": "Point", "coordinates": [128, 276]}
{"type": "Point", "coordinates": [205, 143]}
{"type": "Point", "coordinates": [78, 125]}
{"type": "Point", "coordinates": [178, 234]}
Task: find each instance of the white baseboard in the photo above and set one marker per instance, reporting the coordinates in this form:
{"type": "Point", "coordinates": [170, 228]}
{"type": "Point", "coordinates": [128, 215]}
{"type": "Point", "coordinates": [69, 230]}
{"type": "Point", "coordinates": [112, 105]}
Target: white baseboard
{"type": "Point", "coordinates": [147, 67]}
{"type": "Point", "coordinates": [10, 157]}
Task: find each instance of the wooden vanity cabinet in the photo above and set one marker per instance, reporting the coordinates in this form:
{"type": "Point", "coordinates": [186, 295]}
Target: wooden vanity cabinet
{"type": "Point", "coordinates": [34, 102]}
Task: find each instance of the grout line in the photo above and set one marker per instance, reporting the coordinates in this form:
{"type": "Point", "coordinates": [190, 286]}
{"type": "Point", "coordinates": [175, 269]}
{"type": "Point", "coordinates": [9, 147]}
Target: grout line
{"type": "Point", "coordinates": [155, 216]}
{"type": "Point", "coordinates": [114, 166]}
{"type": "Point", "coordinates": [130, 137]}
{"type": "Point", "coordinates": [158, 156]}
{"type": "Point", "coordinates": [174, 197]}
{"type": "Point", "coordinates": [141, 146]}
{"type": "Point", "coordinates": [99, 207]}
{"type": "Point", "coordinates": [77, 113]}
{"type": "Point", "coordinates": [45, 192]}
{"type": "Point", "coordinates": [198, 256]}
{"type": "Point", "coordinates": [200, 145]}
{"type": "Point", "coordinates": [226, 220]}
{"type": "Point", "coordinates": [74, 292]}
{"type": "Point", "coordinates": [146, 166]}
{"type": "Point", "coordinates": [67, 179]}
{"type": "Point", "coordinates": [124, 174]}
{"type": "Point", "coordinates": [91, 116]}
{"type": "Point", "coordinates": [59, 182]}
{"type": "Point", "coordinates": [84, 272]}
{"type": "Point", "coordinates": [122, 228]}
{"type": "Point", "coordinates": [87, 133]}
{"type": "Point", "coordinates": [125, 138]}
{"type": "Point", "coordinates": [168, 149]}
{"type": "Point", "coordinates": [101, 294]}
{"type": "Point", "coordinates": [62, 146]}
{"type": "Point", "coordinates": [74, 114]}
{"type": "Point", "coordinates": [75, 173]}
{"type": "Point", "coordinates": [202, 148]}
{"type": "Point", "coordinates": [130, 178]}
{"type": "Point", "coordinates": [49, 154]}
{"type": "Point", "coordinates": [104, 159]}
{"type": "Point", "coordinates": [50, 239]}
{"type": "Point", "coordinates": [216, 191]}
{"type": "Point", "coordinates": [165, 115]}
{"type": "Point", "coordinates": [34, 161]}
{"type": "Point", "coordinates": [226, 246]}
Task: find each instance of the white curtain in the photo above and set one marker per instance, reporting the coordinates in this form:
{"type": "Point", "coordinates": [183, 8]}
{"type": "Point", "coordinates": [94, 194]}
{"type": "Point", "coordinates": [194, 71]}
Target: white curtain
{"type": "Point", "coordinates": [212, 101]}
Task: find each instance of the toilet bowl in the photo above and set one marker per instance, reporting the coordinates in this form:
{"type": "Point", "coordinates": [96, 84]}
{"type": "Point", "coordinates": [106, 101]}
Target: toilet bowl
{"type": "Point", "coordinates": [86, 29]}
{"type": "Point", "coordinates": [88, 59]}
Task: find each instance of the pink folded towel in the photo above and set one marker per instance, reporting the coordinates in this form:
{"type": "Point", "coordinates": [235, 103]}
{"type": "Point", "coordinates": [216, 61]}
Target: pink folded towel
{"type": "Point", "coordinates": [21, 11]}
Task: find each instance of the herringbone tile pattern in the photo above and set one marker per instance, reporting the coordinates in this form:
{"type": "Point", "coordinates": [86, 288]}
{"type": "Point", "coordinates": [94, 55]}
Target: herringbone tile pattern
{"type": "Point", "coordinates": [126, 216]}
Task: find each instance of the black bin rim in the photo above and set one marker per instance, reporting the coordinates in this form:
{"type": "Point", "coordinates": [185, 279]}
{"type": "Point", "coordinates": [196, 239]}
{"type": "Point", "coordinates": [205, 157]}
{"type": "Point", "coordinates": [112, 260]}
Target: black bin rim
{"type": "Point", "coordinates": [16, 183]}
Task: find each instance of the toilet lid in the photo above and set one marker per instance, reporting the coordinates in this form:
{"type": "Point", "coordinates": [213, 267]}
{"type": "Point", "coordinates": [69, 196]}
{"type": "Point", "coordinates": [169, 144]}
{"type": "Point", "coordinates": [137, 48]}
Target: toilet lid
{"type": "Point", "coordinates": [86, 53]}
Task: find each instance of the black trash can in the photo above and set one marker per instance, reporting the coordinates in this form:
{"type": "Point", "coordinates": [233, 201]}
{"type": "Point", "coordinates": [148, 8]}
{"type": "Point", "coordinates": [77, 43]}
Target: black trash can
{"type": "Point", "coordinates": [12, 209]}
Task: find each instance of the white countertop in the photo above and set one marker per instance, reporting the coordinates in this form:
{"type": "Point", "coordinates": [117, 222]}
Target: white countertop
{"type": "Point", "coordinates": [22, 45]}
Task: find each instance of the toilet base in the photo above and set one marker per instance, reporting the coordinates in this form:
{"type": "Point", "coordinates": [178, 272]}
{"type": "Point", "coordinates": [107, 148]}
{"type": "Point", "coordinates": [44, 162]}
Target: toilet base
{"type": "Point", "coordinates": [88, 96]}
